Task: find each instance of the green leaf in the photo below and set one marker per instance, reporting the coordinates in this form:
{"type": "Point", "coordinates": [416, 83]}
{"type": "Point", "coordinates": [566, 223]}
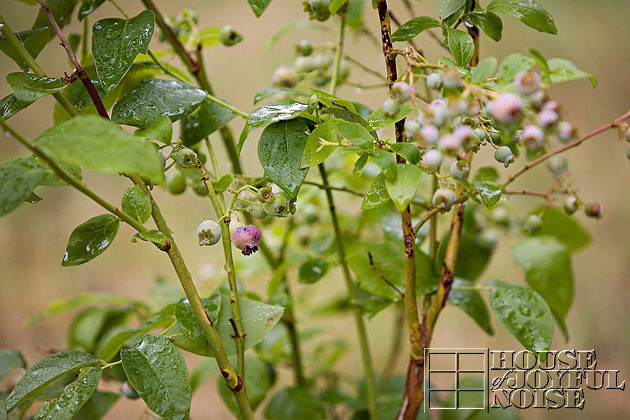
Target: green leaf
{"type": "Point", "coordinates": [512, 65]}
{"type": "Point", "coordinates": [186, 317]}
{"type": "Point", "coordinates": [153, 98]}
{"type": "Point", "coordinates": [547, 265]}
{"type": "Point", "coordinates": [23, 37]}
{"type": "Point", "coordinates": [336, 5]}
{"type": "Point", "coordinates": [204, 121]}
{"type": "Point", "coordinates": [468, 300]}
{"type": "Point", "coordinates": [85, 329]}
{"type": "Point", "coordinates": [203, 371]}
{"type": "Point", "coordinates": [484, 70]}
{"type": "Point", "coordinates": [404, 186]}
{"type": "Point", "coordinates": [446, 8]}
{"type": "Point", "coordinates": [29, 87]}
{"type": "Point", "coordinates": [295, 403]}
{"type": "Point", "coordinates": [117, 42]}
{"type": "Point", "coordinates": [265, 115]}
{"type": "Point", "coordinates": [73, 396]}
{"type": "Point", "coordinates": [387, 162]}
{"type": "Point", "coordinates": [312, 270]}
{"type": "Point", "coordinates": [90, 239]}
{"type": "Point", "coordinates": [153, 235]}
{"type": "Point", "coordinates": [278, 90]}
{"type": "Point", "coordinates": [378, 119]}
{"type": "Point", "coordinates": [407, 150]}
{"type": "Point", "coordinates": [461, 45]}
{"type": "Point", "coordinates": [562, 70]}
{"type": "Point", "coordinates": [61, 10]}
{"type": "Point", "coordinates": [524, 313]}
{"type": "Point", "coordinates": [486, 173]}
{"type": "Point", "coordinates": [335, 130]}
{"type": "Point", "coordinates": [46, 371]}
{"type": "Point", "coordinates": [9, 360]}
{"type": "Point", "coordinates": [258, 6]}
{"type": "Point", "coordinates": [280, 151]}
{"type": "Point", "coordinates": [161, 129]}
{"type": "Point", "coordinates": [96, 406]}
{"type": "Point", "coordinates": [158, 372]}
{"type": "Point", "coordinates": [490, 23]}
{"type": "Point", "coordinates": [74, 142]}
{"type": "Point", "coordinates": [136, 204]}
{"type": "Point", "coordinates": [377, 195]}
{"type": "Point", "coordinates": [332, 100]}
{"type": "Point", "coordinates": [527, 11]}
{"type": "Point", "coordinates": [540, 59]}
{"type": "Point", "coordinates": [18, 179]}
{"type": "Point", "coordinates": [223, 183]}
{"type": "Point", "coordinates": [489, 192]}
{"type": "Point", "coordinates": [388, 259]}
{"type": "Point", "coordinates": [564, 228]}
{"type": "Point", "coordinates": [3, 406]}
{"type": "Point", "coordinates": [89, 6]}
{"type": "Point", "coordinates": [10, 105]}
{"type": "Point", "coordinates": [258, 381]}
{"type": "Point", "coordinates": [412, 28]}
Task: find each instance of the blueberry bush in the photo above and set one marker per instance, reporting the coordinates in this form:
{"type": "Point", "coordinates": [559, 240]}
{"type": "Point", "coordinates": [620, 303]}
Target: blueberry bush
{"type": "Point", "coordinates": [428, 223]}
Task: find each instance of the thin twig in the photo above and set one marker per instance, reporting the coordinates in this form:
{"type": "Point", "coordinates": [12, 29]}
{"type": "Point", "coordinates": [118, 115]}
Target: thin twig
{"type": "Point", "coordinates": [376, 270]}
{"type": "Point", "coordinates": [80, 71]}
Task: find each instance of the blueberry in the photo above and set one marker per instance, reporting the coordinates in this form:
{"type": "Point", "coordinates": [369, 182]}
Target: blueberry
{"type": "Point", "coordinates": [279, 205]}
{"type": "Point", "coordinates": [533, 138]}
{"type": "Point", "coordinates": [412, 129]}
{"type": "Point", "coordinates": [443, 199]}
{"type": "Point", "coordinates": [571, 204]}
{"type": "Point", "coordinates": [128, 391]}
{"type": "Point", "coordinates": [488, 239]}
{"type": "Point", "coordinates": [566, 131]}
{"type": "Point", "coordinates": [437, 110]}
{"type": "Point", "coordinates": [200, 188]}
{"type": "Point", "coordinates": [533, 223]}
{"type": "Point", "coordinates": [208, 233]}
{"type": "Point", "coordinates": [432, 159]}
{"type": "Point", "coordinates": [429, 134]}
{"type": "Point", "coordinates": [303, 64]}
{"type": "Point", "coordinates": [317, 9]}
{"type": "Point", "coordinates": [460, 169]}
{"type": "Point", "coordinates": [401, 92]}
{"type": "Point", "coordinates": [481, 134]}
{"type": "Point", "coordinates": [504, 155]}
{"type": "Point", "coordinates": [284, 76]}
{"type": "Point", "coordinates": [434, 81]}
{"type": "Point", "coordinates": [228, 36]}
{"type": "Point", "coordinates": [558, 166]}
{"type": "Point", "coordinates": [186, 158]}
{"type": "Point", "coordinates": [450, 144]}
{"type": "Point", "coordinates": [246, 238]}
{"type": "Point", "coordinates": [527, 82]}
{"type": "Point", "coordinates": [467, 137]}
{"type": "Point", "coordinates": [547, 118]}
{"type": "Point", "coordinates": [507, 108]}
{"type": "Point", "coordinates": [594, 209]}
{"type": "Point", "coordinates": [500, 216]}
{"type": "Point", "coordinates": [390, 107]}
{"type": "Point", "coordinates": [176, 183]}
{"type": "Point", "coordinates": [451, 79]}
{"type": "Point", "coordinates": [304, 48]}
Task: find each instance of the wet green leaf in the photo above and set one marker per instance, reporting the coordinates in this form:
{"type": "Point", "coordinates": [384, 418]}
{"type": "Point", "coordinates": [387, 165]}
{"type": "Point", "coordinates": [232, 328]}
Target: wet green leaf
{"type": "Point", "coordinates": [377, 195]}
{"type": "Point", "coordinates": [89, 6]}
{"type": "Point", "coordinates": [186, 317]}
{"type": "Point", "coordinates": [9, 360]}
{"type": "Point", "coordinates": [110, 348]}
{"type": "Point", "coordinates": [404, 186]}
{"type": "Point", "coordinates": [562, 70]}
{"type": "Point", "coordinates": [152, 235]}
{"type": "Point", "coordinates": [312, 270]}
{"type": "Point", "coordinates": [484, 69]}
{"type": "Point", "coordinates": [28, 87]}
{"type": "Point", "coordinates": [73, 396]}
{"type": "Point", "coordinates": [161, 129]}
{"type": "Point", "coordinates": [489, 192]}
{"type": "Point", "coordinates": [409, 151]}
{"type": "Point", "coordinates": [23, 36]}
{"type": "Point", "coordinates": [527, 11]}
{"type": "Point", "coordinates": [512, 65]}
{"type": "Point", "coordinates": [204, 121]}
{"type": "Point", "coordinates": [413, 27]}
{"type": "Point", "coordinates": [258, 6]}
{"type": "Point", "coordinates": [18, 179]}
{"type": "Point", "coordinates": [461, 45]}
{"type": "Point", "coordinates": [136, 204]}
{"type": "Point", "coordinates": [294, 403]}
{"type": "Point", "coordinates": [90, 239]}
{"type": "Point", "coordinates": [469, 300]}
{"type": "Point", "coordinates": [446, 8]}
{"type": "Point", "coordinates": [564, 228]}
{"type": "Point", "coordinates": [378, 119]}
{"type": "Point", "coordinates": [258, 381]}
{"type": "Point", "coordinates": [10, 105]}
{"type": "Point", "coordinates": [490, 23]}
{"type": "Point", "coordinates": [96, 407]}
{"type": "Point", "coordinates": [335, 130]}
{"type": "Point", "coordinates": [85, 329]}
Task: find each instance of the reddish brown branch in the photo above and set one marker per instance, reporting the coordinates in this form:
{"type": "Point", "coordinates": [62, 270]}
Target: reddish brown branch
{"type": "Point", "coordinates": [79, 70]}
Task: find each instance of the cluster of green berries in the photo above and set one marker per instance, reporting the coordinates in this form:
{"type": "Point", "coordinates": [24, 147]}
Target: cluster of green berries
{"type": "Point", "coordinates": [316, 66]}
{"type": "Point", "coordinates": [185, 159]}
{"type": "Point", "coordinates": [269, 201]}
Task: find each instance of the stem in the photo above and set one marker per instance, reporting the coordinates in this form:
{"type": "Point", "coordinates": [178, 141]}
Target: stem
{"type": "Point", "coordinates": [84, 41]}
{"type": "Point", "coordinates": [433, 242]}
{"type": "Point", "coordinates": [64, 175]}
{"type": "Point", "coordinates": [335, 74]}
{"type": "Point", "coordinates": [80, 71]}
{"type": "Point", "coordinates": [15, 43]}
{"type": "Point", "coordinates": [233, 380]}
{"type": "Point", "coordinates": [564, 148]}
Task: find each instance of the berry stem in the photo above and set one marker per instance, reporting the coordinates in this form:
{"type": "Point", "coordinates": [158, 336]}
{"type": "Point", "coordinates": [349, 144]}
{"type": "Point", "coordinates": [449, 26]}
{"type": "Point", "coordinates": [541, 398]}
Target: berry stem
{"type": "Point", "coordinates": [15, 43]}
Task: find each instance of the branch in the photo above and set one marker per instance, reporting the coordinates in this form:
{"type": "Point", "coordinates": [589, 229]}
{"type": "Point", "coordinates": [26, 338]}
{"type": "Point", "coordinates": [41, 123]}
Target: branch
{"type": "Point", "coordinates": [566, 147]}
{"type": "Point", "coordinates": [376, 270]}
{"type": "Point", "coordinates": [80, 71]}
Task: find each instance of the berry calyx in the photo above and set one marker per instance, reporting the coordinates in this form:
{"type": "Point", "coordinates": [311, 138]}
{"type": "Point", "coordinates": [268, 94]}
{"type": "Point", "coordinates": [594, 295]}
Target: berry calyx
{"type": "Point", "coordinates": [460, 169]}
{"type": "Point", "coordinates": [246, 238]}
{"type": "Point", "coordinates": [186, 158]}
{"type": "Point", "coordinates": [527, 82]}
{"type": "Point", "coordinates": [229, 36]}
{"type": "Point", "coordinates": [208, 233]}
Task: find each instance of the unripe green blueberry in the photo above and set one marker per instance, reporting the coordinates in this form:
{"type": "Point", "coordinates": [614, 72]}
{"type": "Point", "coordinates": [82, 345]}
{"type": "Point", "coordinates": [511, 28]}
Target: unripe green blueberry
{"type": "Point", "coordinates": [208, 233]}
{"type": "Point", "coordinates": [467, 137]}
{"type": "Point", "coordinates": [571, 204]}
{"type": "Point", "coordinates": [437, 110]}
{"type": "Point", "coordinates": [246, 238]}
{"type": "Point", "coordinates": [344, 69]}
{"type": "Point", "coordinates": [317, 9]}
{"type": "Point", "coordinates": [412, 129]}
{"type": "Point", "coordinates": [488, 239]}
{"type": "Point", "coordinates": [594, 209]}
{"type": "Point", "coordinates": [278, 206]}
{"type": "Point", "coordinates": [321, 80]}
{"type": "Point", "coordinates": [434, 81]}
{"type": "Point", "coordinates": [311, 213]}
{"type": "Point", "coordinates": [186, 158]}
{"type": "Point", "coordinates": [128, 391]}
{"type": "Point", "coordinates": [460, 169]}
{"type": "Point", "coordinates": [176, 183]}
{"type": "Point", "coordinates": [450, 144]}
{"type": "Point", "coordinates": [401, 92]}
{"type": "Point", "coordinates": [500, 216]}
{"type": "Point", "coordinates": [533, 223]}
{"type": "Point", "coordinates": [527, 82]}
{"type": "Point", "coordinates": [451, 78]}
{"type": "Point", "coordinates": [507, 108]}
{"type": "Point", "coordinates": [558, 166]}
{"type": "Point", "coordinates": [229, 36]}
{"type": "Point", "coordinates": [200, 188]}
{"type": "Point", "coordinates": [432, 159]}
{"type": "Point", "coordinates": [304, 48]}
{"type": "Point", "coordinates": [481, 134]}
{"type": "Point", "coordinates": [566, 131]}
{"type": "Point", "coordinates": [303, 64]}
{"type": "Point", "coordinates": [533, 138]}
{"type": "Point", "coordinates": [284, 76]}
{"type": "Point", "coordinates": [538, 99]}
{"type": "Point", "coordinates": [443, 199]}
{"type": "Point", "coordinates": [504, 155]}
{"type": "Point", "coordinates": [322, 61]}
{"type": "Point", "coordinates": [390, 107]}
{"type": "Point", "coordinates": [430, 134]}
{"type": "Point", "coordinates": [495, 137]}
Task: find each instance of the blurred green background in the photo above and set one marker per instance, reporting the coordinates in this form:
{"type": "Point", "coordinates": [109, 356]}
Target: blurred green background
{"type": "Point", "coordinates": [593, 34]}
